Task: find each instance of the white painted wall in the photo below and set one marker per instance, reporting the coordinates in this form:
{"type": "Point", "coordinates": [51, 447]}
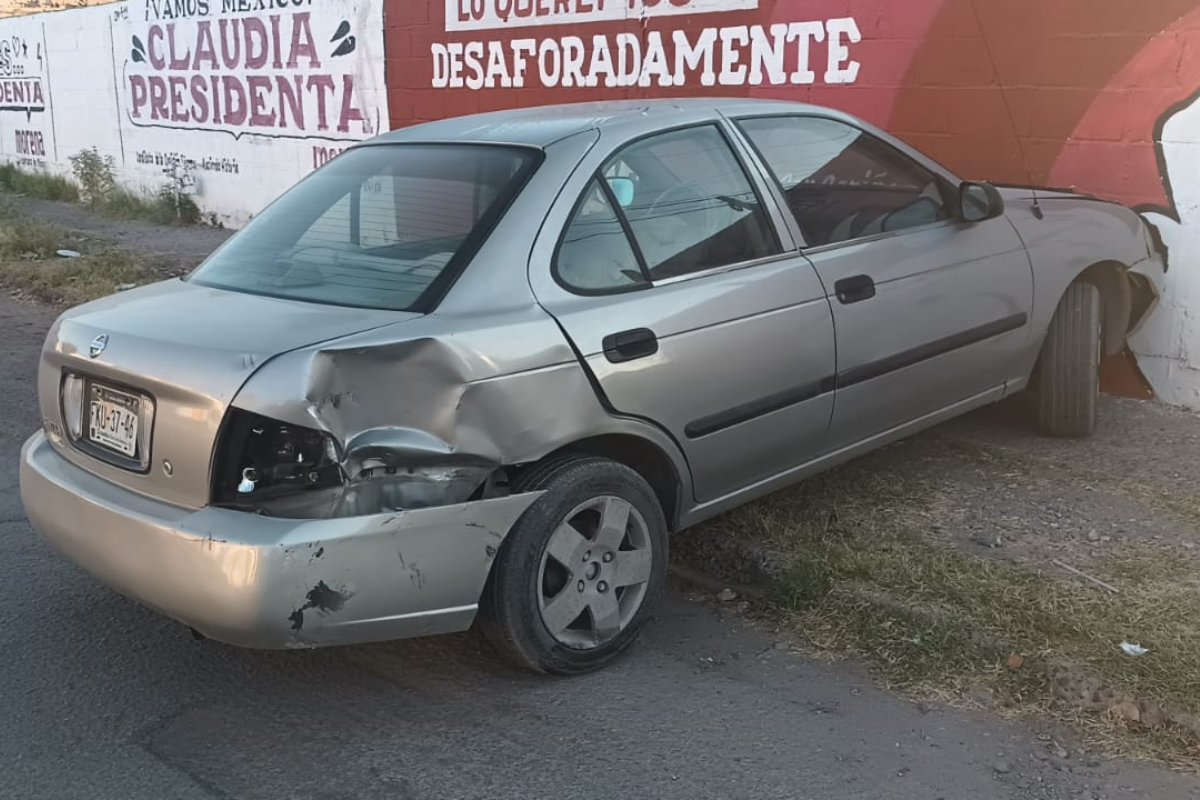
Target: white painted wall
{"type": "Point", "coordinates": [1168, 347]}
{"type": "Point", "coordinates": [295, 81]}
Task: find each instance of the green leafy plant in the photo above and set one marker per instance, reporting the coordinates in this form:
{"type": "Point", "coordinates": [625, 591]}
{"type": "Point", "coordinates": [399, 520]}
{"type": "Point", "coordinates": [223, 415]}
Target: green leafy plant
{"type": "Point", "coordinates": [94, 173]}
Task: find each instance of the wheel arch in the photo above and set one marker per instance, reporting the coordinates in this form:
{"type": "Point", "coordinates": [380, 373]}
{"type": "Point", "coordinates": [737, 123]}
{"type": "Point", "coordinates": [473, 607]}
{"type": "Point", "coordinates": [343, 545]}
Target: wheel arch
{"type": "Point", "coordinates": [643, 457]}
{"type": "Point", "coordinates": [1116, 298]}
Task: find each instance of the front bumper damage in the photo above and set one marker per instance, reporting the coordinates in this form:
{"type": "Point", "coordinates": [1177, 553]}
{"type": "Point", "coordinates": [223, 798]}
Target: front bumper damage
{"type": "Point", "coordinates": [265, 582]}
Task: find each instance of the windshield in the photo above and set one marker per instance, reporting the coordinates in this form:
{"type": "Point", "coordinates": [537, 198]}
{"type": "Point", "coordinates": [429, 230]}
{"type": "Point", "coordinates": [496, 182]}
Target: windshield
{"type": "Point", "coordinates": [377, 227]}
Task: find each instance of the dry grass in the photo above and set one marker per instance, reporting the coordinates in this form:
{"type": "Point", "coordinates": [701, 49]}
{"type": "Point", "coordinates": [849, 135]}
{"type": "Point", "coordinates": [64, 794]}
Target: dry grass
{"type": "Point", "coordinates": [869, 579]}
{"type": "Point", "coordinates": [30, 267]}
{"type": "Point", "coordinates": [42, 185]}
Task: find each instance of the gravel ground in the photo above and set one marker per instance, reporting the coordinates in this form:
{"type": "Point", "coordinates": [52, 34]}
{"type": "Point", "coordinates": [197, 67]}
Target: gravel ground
{"type": "Point", "coordinates": [104, 699]}
{"type": "Point", "coordinates": [1030, 499]}
{"type": "Point", "coordinates": [174, 248]}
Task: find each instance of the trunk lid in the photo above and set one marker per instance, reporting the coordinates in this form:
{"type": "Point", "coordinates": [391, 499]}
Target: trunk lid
{"type": "Point", "coordinates": [187, 349]}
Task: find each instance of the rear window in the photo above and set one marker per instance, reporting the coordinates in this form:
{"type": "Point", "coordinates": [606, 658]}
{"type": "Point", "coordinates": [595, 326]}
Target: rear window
{"type": "Point", "coordinates": [377, 227]}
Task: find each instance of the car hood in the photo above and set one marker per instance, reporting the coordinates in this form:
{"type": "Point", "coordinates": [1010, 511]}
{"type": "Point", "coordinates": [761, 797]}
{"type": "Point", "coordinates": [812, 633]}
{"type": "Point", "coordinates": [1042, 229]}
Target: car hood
{"type": "Point", "coordinates": [1043, 194]}
{"type": "Point", "coordinates": [189, 348]}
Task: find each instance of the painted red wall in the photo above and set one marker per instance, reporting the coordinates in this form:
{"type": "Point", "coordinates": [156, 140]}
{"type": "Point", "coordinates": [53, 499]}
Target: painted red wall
{"type": "Point", "coordinates": [1085, 81]}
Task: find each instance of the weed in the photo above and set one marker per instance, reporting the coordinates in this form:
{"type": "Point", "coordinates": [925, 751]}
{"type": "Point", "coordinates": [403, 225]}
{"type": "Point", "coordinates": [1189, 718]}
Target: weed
{"type": "Point", "coordinates": [29, 264]}
{"type": "Point", "coordinates": [41, 185]}
{"type": "Point", "coordinates": [94, 174]}
{"type": "Point", "coordinates": [100, 190]}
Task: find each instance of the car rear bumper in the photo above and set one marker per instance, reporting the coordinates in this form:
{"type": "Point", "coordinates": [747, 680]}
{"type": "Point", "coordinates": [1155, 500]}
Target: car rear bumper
{"type": "Point", "coordinates": [265, 582]}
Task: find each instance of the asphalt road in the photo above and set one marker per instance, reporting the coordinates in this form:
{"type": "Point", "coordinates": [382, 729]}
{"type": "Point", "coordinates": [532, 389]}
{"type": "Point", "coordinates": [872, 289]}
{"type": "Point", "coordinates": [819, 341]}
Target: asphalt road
{"type": "Point", "coordinates": [100, 698]}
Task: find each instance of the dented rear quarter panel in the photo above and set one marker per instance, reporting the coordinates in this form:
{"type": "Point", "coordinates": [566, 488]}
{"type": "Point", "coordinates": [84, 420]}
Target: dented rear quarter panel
{"type": "Point", "coordinates": [486, 380]}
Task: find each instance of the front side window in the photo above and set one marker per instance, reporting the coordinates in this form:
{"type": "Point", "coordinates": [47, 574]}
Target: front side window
{"type": "Point", "coordinates": [375, 227]}
{"type": "Point", "coordinates": [841, 183]}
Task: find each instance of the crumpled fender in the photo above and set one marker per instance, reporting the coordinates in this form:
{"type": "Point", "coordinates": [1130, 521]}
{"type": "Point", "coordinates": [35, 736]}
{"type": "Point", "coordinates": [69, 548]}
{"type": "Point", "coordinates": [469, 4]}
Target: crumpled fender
{"type": "Point", "coordinates": [442, 397]}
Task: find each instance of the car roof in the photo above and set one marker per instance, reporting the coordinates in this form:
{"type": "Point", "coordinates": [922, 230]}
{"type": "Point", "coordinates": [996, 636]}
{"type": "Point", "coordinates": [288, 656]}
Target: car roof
{"type": "Point", "coordinates": [541, 126]}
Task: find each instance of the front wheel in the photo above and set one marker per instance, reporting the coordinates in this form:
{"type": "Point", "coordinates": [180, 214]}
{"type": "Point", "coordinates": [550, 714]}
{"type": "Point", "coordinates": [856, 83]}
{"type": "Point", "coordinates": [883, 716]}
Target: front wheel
{"type": "Point", "coordinates": [1068, 377]}
{"type": "Point", "coordinates": [581, 571]}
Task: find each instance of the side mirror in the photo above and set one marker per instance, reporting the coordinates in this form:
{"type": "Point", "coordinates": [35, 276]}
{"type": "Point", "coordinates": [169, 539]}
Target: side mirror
{"type": "Point", "coordinates": [979, 202]}
{"type": "Point", "coordinates": [622, 189]}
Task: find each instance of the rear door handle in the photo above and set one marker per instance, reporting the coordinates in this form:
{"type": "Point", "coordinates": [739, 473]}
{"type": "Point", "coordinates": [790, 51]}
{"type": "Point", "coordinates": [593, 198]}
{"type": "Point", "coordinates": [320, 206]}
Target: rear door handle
{"type": "Point", "coordinates": [630, 345]}
{"type": "Point", "coordinates": [854, 289]}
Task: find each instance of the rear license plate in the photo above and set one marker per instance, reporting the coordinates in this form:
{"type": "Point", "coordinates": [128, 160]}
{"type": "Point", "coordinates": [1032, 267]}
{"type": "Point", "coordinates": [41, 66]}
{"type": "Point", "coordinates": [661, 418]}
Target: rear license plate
{"type": "Point", "coordinates": [113, 419]}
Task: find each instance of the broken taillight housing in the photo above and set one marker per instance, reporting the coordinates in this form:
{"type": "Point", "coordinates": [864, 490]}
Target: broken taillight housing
{"type": "Point", "coordinates": [259, 459]}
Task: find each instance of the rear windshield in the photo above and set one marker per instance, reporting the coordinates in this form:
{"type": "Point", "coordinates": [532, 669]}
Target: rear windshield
{"type": "Point", "coordinates": [375, 227]}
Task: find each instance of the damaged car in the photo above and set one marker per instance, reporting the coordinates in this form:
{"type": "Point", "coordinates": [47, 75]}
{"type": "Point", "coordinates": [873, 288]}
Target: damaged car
{"type": "Point", "coordinates": [477, 371]}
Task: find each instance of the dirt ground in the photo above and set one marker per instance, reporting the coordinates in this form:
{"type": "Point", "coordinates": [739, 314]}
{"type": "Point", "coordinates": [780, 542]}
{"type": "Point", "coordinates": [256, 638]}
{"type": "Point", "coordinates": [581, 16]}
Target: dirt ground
{"type": "Point", "coordinates": [174, 249]}
{"type": "Point", "coordinates": [1031, 499]}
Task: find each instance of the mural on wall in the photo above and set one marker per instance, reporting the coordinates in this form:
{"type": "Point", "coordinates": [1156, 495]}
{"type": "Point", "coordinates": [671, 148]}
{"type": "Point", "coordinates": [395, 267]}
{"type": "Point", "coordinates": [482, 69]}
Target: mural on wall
{"type": "Point", "coordinates": [230, 100]}
{"type": "Point", "coordinates": [25, 123]}
{"type": "Point", "coordinates": [284, 73]}
{"type": "Point", "coordinates": [235, 100]}
{"type": "Point", "coordinates": [234, 85]}
{"type": "Point", "coordinates": [1100, 95]}
{"type": "Point", "coordinates": [731, 55]}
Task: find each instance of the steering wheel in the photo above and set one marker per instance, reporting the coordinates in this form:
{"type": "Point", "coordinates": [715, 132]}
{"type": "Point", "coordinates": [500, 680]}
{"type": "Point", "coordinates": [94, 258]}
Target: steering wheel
{"type": "Point", "coordinates": [288, 265]}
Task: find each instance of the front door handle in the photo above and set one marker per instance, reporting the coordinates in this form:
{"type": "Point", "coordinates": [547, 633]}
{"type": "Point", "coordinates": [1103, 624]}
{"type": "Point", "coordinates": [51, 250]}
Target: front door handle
{"type": "Point", "coordinates": [630, 345]}
{"type": "Point", "coordinates": [854, 289]}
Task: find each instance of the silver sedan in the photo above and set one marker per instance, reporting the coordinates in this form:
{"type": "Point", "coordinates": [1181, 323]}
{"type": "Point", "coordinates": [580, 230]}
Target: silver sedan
{"type": "Point", "coordinates": [478, 370]}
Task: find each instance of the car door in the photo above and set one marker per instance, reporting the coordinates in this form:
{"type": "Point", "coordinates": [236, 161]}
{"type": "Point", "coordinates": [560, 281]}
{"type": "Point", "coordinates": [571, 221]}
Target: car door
{"type": "Point", "coordinates": [672, 282]}
{"type": "Point", "coordinates": [931, 312]}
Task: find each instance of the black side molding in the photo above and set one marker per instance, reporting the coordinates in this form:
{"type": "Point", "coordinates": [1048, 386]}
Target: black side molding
{"type": "Point", "coordinates": [908, 358]}
{"type": "Point", "coordinates": [715, 423]}
{"type": "Point", "coordinates": [723, 420]}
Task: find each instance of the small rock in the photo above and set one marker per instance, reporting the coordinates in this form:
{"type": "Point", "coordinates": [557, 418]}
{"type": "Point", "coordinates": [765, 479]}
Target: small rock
{"type": "Point", "coordinates": [68, 254]}
{"type": "Point", "coordinates": [1015, 661]}
{"type": "Point", "coordinates": [1128, 710]}
{"type": "Point", "coordinates": [1189, 545]}
{"type": "Point", "coordinates": [781, 645]}
{"type": "Point", "coordinates": [1002, 767]}
{"type": "Point", "coordinates": [1093, 535]}
{"type": "Point", "coordinates": [727, 595]}
{"type": "Point", "coordinates": [985, 697]}
{"type": "Point", "coordinates": [1060, 751]}
{"type": "Point", "coordinates": [1105, 539]}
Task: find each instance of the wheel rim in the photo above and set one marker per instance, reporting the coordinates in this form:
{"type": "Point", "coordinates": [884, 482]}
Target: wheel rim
{"type": "Point", "coordinates": [594, 572]}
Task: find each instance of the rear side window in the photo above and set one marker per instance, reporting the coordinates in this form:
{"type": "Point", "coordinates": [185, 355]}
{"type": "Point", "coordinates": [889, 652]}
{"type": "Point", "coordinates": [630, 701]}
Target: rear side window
{"type": "Point", "coordinates": [376, 227]}
{"type": "Point", "coordinates": [595, 255]}
{"type": "Point", "coordinates": [685, 200]}
{"type": "Point", "coordinates": [842, 183]}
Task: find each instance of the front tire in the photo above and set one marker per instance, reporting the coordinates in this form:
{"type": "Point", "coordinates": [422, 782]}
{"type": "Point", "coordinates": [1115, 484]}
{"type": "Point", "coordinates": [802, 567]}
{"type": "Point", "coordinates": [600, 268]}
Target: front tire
{"type": "Point", "coordinates": [1068, 379]}
{"type": "Point", "coordinates": [581, 571]}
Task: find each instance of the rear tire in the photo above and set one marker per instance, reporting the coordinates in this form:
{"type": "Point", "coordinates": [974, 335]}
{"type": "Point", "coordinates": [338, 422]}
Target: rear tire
{"type": "Point", "coordinates": [1068, 378]}
{"type": "Point", "coordinates": [581, 571]}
